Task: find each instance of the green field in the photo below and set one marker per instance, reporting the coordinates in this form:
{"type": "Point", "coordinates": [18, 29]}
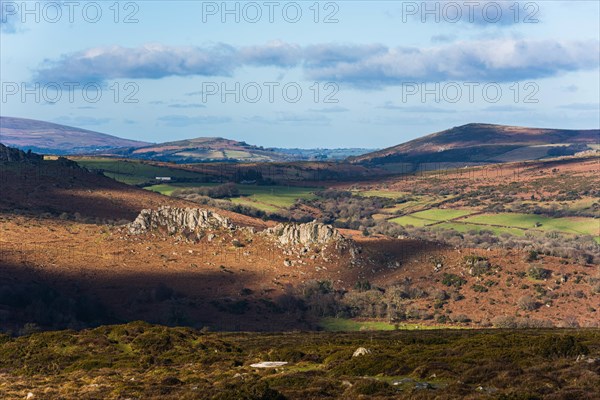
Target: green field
{"type": "Point", "coordinates": [512, 223]}
{"type": "Point", "coordinates": [168, 188]}
{"type": "Point", "coordinates": [431, 216]}
{"type": "Point", "coordinates": [574, 225]}
{"type": "Point", "coordinates": [463, 228]}
{"type": "Point", "coordinates": [389, 194]}
{"type": "Point", "coordinates": [439, 214]}
{"type": "Point", "coordinates": [134, 172]}
{"type": "Point", "coordinates": [409, 220]}
{"type": "Point", "coordinates": [246, 201]}
{"type": "Point", "coordinates": [350, 325]}
{"type": "Point", "coordinates": [418, 203]}
{"type": "Point", "coordinates": [266, 198]}
{"type": "Point", "coordinates": [279, 196]}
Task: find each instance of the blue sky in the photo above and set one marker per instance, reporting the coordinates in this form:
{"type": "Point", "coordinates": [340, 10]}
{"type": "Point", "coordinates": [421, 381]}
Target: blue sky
{"type": "Point", "coordinates": [300, 74]}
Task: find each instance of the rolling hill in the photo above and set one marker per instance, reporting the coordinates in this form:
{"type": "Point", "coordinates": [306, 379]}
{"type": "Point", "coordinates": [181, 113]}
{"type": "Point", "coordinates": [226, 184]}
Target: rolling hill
{"type": "Point", "coordinates": [50, 138]}
{"type": "Point", "coordinates": [47, 137]}
{"type": "Point", "coordinates": [202, 149]}
{"type": "Point", "coordinates": [485, 143]}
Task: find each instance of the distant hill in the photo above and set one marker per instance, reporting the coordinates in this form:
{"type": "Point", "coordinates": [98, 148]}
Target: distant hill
{"type": "Point", "coordinates": [47, 137]}
{"type": "Point", "coordinates": [485, 143]}
{"type": "Point", "coordinates": [324, 154]}
{"type": "Point", "coordinates": [202, 149]}
{"type": "Point", "coordinates": [210, 149]}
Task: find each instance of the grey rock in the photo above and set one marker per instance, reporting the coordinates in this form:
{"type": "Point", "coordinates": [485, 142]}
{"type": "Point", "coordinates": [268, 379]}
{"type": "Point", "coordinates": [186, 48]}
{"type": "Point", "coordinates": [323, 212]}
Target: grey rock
{"type": "Point", "coordinates": [178, 220]}
{"type": "Point", "coordinates": [361, 351]}
{"type": "Point", "coordinates": [269, 364]}
{"type": "Point", "coordinates": [304, 234]}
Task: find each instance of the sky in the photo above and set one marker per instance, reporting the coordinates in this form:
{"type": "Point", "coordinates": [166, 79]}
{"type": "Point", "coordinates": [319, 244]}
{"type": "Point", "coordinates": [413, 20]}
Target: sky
{"type": "Point", "coordinates": [302, 74]}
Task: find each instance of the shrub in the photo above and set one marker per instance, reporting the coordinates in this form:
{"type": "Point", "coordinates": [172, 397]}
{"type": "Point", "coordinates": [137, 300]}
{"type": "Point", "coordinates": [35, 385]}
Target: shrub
{"type": "Point", "coordinates": [527, 303]}
{"type": "Point", "coordinates": [372, 365]}
{"type": "Point", "coordinates": [539, 273]}
{"type": "Point", "coordinates": [551, 346]}
{"type": "Point", "coordinates": [29, 329]}
{"type": "Point", "coordinates": [442, 319]}
{"type": "Point", "coordinates": [504, 321]}
{"type": "Point", "coordinates": [362, 286]}
{"type": "Point", "coordinates": [532, 255]}
{"type": "Point", "coordinates": [479, 288]}
{"type": "Point", "coordinates": [453, 280]}
{"type": "Point", "coordinates": [371, 388]}
{"type": "Point", "coordinates": [439, 294]}
{"type": "Point", "coordinates": [252, 391]}
{"type": "Point", "coordinates": [461, 318]}
{"type": "Point", "coordinates": [457, 296]}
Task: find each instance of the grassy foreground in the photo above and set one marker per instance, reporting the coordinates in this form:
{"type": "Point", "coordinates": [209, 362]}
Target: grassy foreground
{"type": "Point", "coordinates": [138, 360]}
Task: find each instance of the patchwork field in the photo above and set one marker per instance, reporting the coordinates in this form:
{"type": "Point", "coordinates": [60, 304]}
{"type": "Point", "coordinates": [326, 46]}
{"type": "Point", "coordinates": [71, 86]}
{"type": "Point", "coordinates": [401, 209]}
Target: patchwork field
{"type": "Point", "coordinates": [431, 217]}
{"type": "Point", "coordinates": [574, 225]}
{"type": "Point", "coordinates": [516, 224]}
{"type": "Point", "coordinates": [464, 227]}
{"type": "Point", "coordinates": [267, 198]}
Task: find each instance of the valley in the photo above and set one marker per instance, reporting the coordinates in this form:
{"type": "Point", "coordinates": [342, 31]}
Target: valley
{"type": "Point", "coordinates": [93, 244]}
{"type": "Point", "coordinates": [353, 200]}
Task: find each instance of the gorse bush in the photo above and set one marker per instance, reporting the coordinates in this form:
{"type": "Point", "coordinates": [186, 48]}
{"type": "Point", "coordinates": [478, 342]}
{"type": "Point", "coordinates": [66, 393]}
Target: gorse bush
{"type": "Point", "coordinates": [539, 273]}
{"type": "Point", "coordinates": [550, 346]}
{"type": "Point", "coordinates": [453, 280]}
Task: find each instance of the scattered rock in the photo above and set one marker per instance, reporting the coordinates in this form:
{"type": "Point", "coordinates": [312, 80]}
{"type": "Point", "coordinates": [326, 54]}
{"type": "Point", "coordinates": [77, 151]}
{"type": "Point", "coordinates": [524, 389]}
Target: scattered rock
{"type": "Point", "coordinates": [269, 364]}
{"type": "Point", "coordinates": [361, 351]}
{"type": "Point", "coordinates": [489, 390]}
{"type": "Point", "coordinates": [584, 358]}
{"type": "Point", "coordinates": [402, 381]}
{"type": "Point", "coordinates": [423, 386]}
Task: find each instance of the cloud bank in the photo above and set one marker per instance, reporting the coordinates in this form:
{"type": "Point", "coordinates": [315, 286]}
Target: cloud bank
{"type": "Point", "coordinates": [367, 66]}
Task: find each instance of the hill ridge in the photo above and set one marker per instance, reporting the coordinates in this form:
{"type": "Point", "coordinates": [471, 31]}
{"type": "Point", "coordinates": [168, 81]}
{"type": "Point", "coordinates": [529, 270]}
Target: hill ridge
{"type": "Point", "coordinates": [50, 137]}
{"type": "Point", "coordinates": [483, 142]}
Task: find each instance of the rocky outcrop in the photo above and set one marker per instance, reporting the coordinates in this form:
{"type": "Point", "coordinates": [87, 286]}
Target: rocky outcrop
{"type": "Point", "coordinates": [186, 221]}
{"type": "Point", "coordinates": [310, 239]}
{"type": "Point", "coordinates": [303, 241]}
{"type": "Point", "coordinates": [312, 233]}
{"type": "Point", "coordinates": [8, 154]}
